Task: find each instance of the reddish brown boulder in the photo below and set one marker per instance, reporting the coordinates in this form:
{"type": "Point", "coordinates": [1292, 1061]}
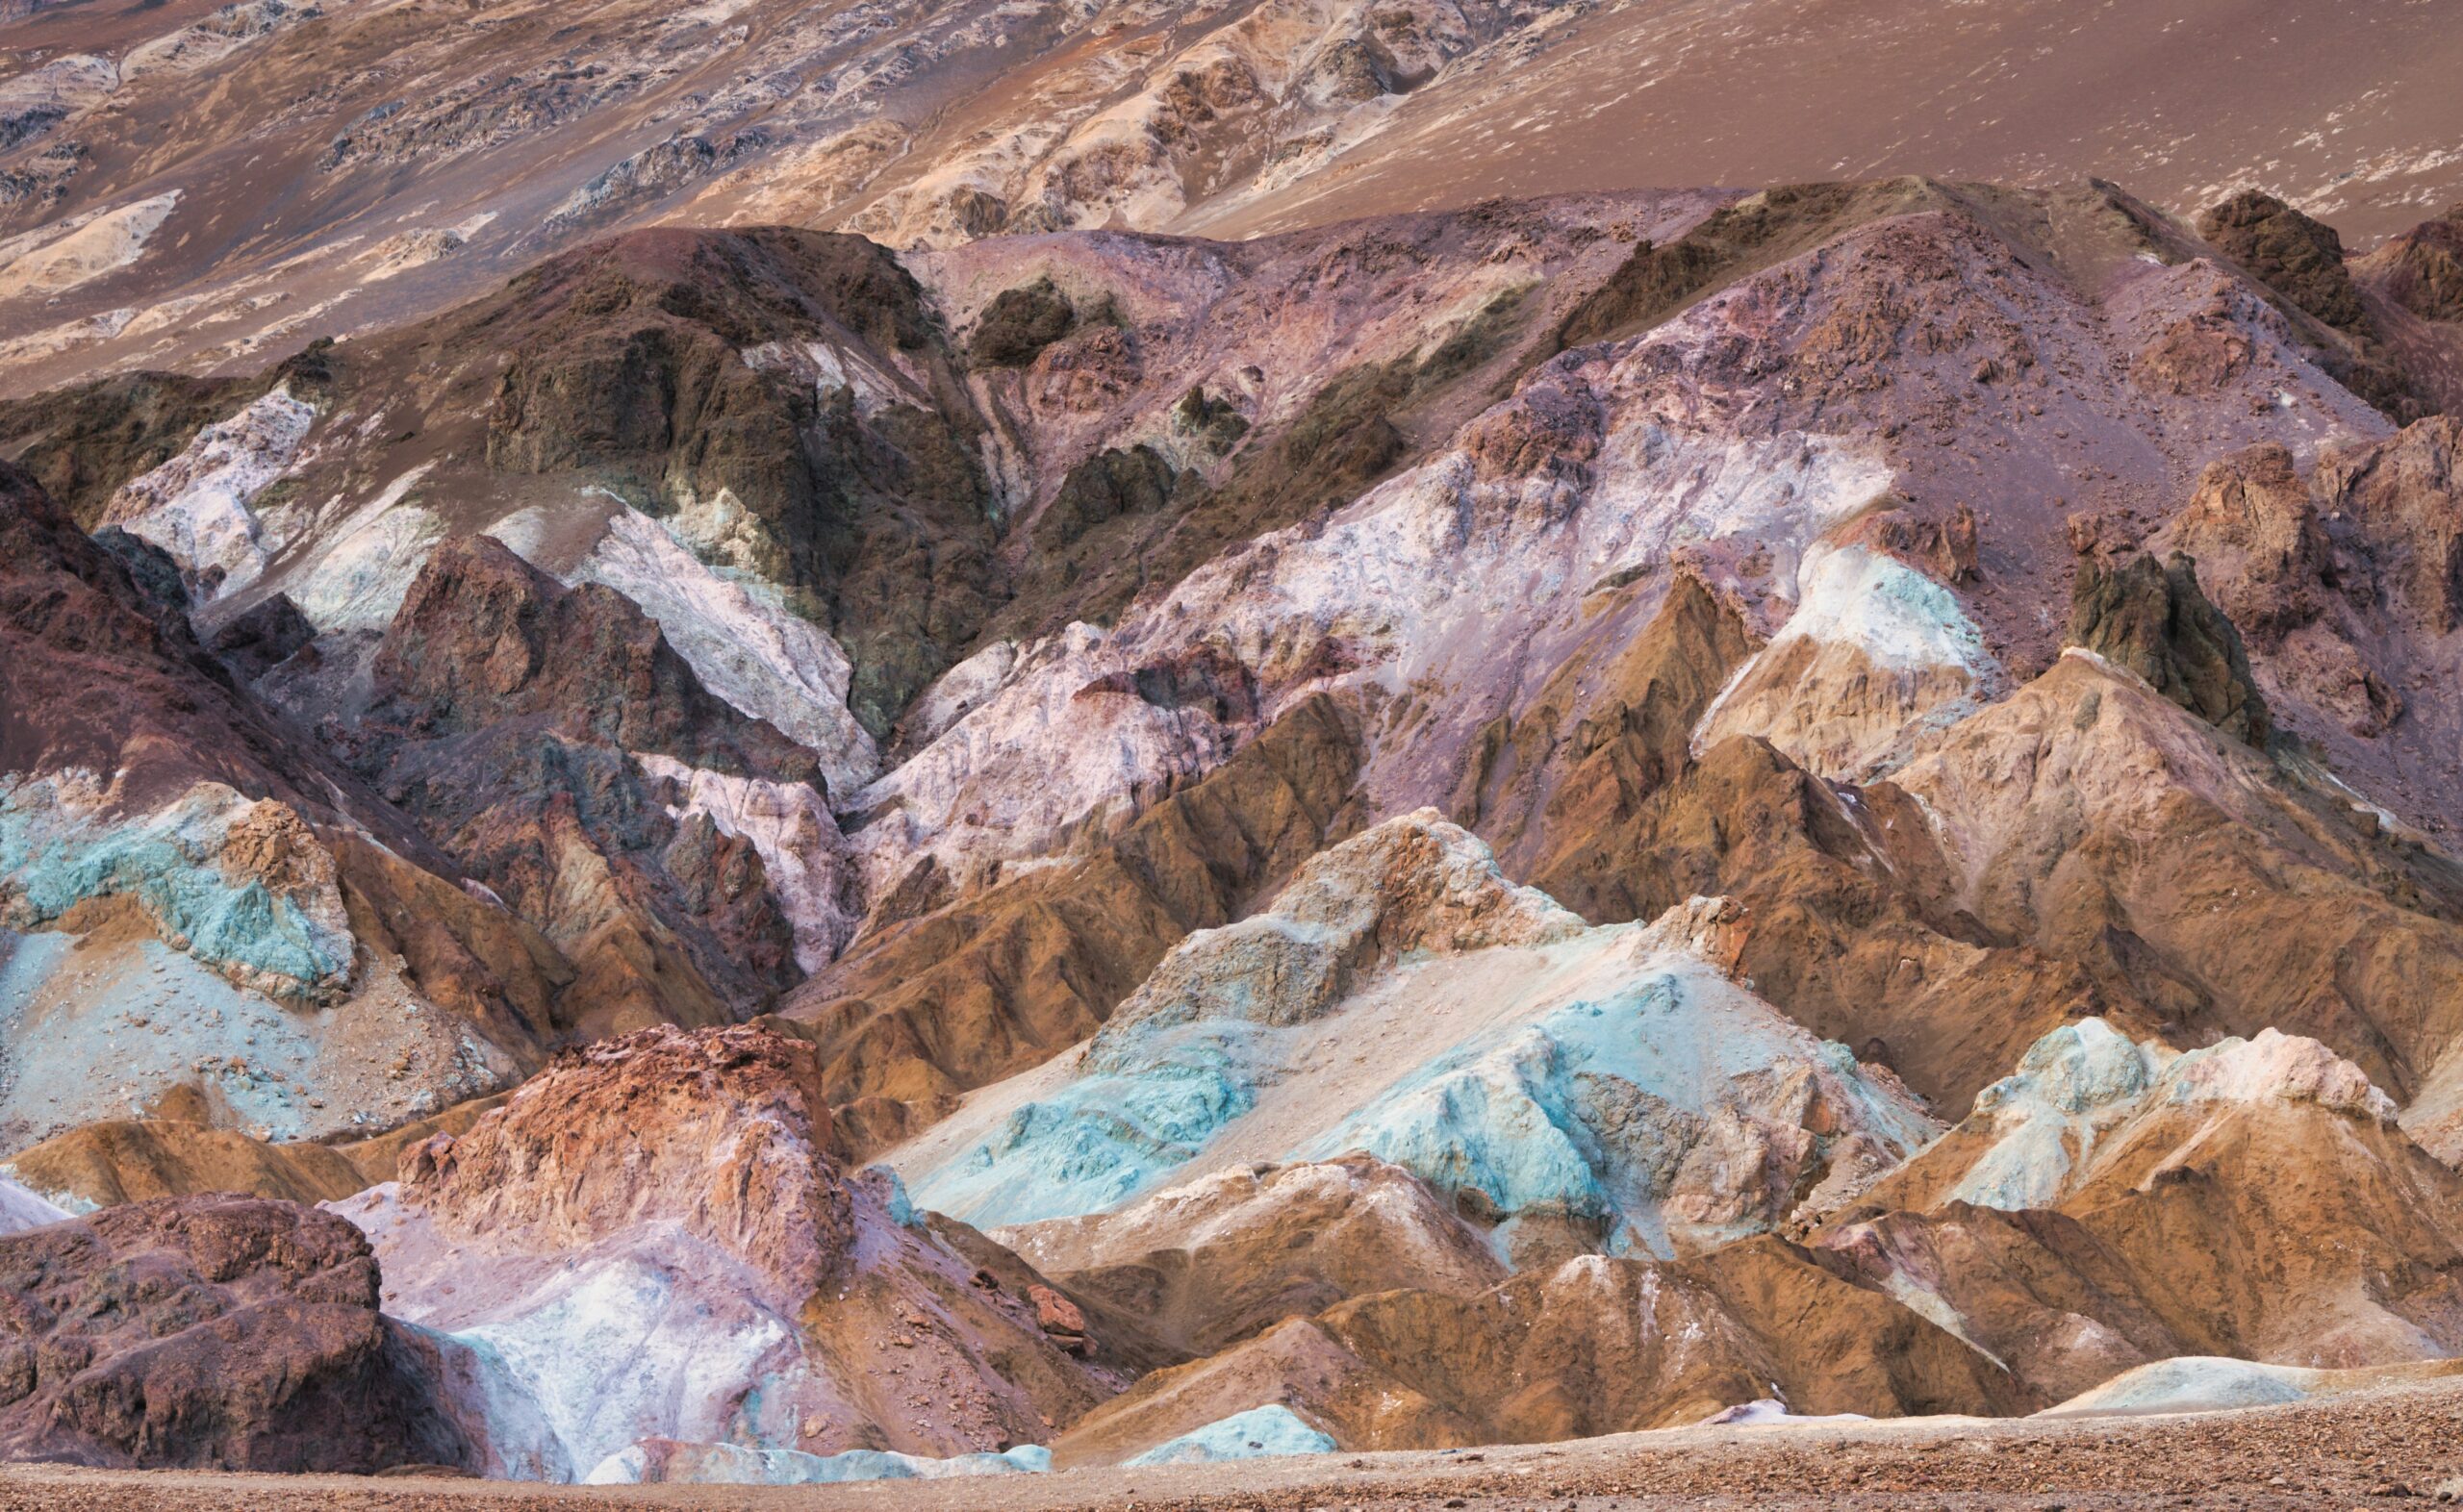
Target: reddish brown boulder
{"type": "Point", "coordinates": [2261, 554]}
{"type": "Point", "coordinates": [1941, 545]}
{"type": "Point", "coordinates": [210, 1331]}
{"type": "Point", "coordinates": [1060, 1320]}
{"type": "Point", "coordinates": [2199, 353]}
{"type": "Point", "coordinates": [2422, 268]}
{"type": "Point", "coordinates": [2298, 257]}
{"type": "Point", "coordinates": [1056, 1313]}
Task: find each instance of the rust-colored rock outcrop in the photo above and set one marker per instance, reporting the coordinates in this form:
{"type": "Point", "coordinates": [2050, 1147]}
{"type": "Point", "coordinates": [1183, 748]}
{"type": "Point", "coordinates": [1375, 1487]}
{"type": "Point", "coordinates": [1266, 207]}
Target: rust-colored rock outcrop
{"type": "Point", "coordinates": [484, 637]}
{"type": "Point", "coordinates": [2406, 496]}
{"type": "Point", "coordinates": [210, 1332]}
{"type": "Point", "coordinates": [2422, 268]}
{"type": "Point", "coordinates": [2302, 260]}
{"type": "Point", "coordinates": [719, 1132]}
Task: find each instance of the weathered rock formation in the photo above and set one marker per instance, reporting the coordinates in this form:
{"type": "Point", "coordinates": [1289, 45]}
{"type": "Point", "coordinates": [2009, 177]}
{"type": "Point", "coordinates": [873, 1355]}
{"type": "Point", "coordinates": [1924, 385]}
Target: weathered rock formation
{"type": "Point", "coordinates": [2112, 1204]}
{"type": "Point", "coordinates": [105, 1164]}
{"type": "Point", "coordinates": [948, 993]}
{"type": "Point", "coordinates": [2299, 258]}
{"type": "Point", "coordinates": [2302, 260]}
{"type": "Point", "coordinates": [210, 1332]}
{"type": "Point", "coordinates": [1568, 1087]}
{"type": "Point", "coordinates": [2422, 268]}
{"type": "Point", "coordinates": [2088, 818]}
{"type": "Point", "coordinates": [1592, 1346]}
{"type": "Point", "coordinates": [184, 874]}
{"type": "Point", "coordinates": [2152, 619]}
{"type": "Point", "coordinates": [1425, 819]}
{"type": "Point", "coordinates": [1213, 1261]}
{"type": "Point", "coordinates": [524, 723]}
{"type": "Point", "coordinates": [662, 1210]}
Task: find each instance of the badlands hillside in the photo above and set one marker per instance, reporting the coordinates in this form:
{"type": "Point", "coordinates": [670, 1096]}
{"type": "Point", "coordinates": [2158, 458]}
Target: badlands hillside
{"type": "Point", "coordinates": [190, 185]}
{"type": "Point", "coordinates": [776, 746]}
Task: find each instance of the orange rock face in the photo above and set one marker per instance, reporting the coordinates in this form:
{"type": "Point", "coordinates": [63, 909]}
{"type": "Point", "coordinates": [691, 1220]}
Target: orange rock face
{"type": "Point", "coordinates": [720, 1132]}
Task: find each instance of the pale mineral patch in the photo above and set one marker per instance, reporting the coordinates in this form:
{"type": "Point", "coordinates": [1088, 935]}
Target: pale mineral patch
{"type": "Point", "coordinates": [104, 243]}
{"type": "Point", "coordinates": [1258, 1433]}
{"type": "Point", "coordinates": [1875, 656]}
{"type": "Point", "coordinates": [801, 852]}
{"type": "Point", "coordinates": [745, 644]}
{"type": "Point", "coordinates": [1402, 999]}
{"type": "Point", "coordinates": [196, 505]}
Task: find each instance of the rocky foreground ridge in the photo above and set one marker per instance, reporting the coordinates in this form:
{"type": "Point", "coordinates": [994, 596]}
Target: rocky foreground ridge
{"type": "Point", "coordinates": [757, 859]}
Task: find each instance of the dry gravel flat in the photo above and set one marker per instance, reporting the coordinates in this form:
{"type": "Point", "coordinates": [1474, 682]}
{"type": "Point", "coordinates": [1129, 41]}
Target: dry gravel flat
{"type": "Point", "coordinates": [2382, 1449]}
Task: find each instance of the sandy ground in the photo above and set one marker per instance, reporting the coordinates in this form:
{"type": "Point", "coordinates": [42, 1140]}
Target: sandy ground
{"type": "Point", "coordinates": [2374, 1451]}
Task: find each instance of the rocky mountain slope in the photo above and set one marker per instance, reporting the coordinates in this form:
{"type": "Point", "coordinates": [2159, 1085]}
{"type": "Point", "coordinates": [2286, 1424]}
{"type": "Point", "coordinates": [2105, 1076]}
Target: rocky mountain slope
{"type": "Point", "coordinates": [1460, 827]}
{"type": "Point", "coordinates": [196, 186]}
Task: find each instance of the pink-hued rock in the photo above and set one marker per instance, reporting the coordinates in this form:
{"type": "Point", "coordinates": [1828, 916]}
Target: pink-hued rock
{"type": "Point", "coordinates": [652, 1240]}
{"type": "Point", "coordinates": [715, 1133]}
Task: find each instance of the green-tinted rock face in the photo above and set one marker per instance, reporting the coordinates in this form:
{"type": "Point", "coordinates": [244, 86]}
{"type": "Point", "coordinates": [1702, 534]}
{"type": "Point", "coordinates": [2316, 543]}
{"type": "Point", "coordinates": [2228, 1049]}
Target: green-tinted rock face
{"type": "Point", "coordinates": [246, 886]}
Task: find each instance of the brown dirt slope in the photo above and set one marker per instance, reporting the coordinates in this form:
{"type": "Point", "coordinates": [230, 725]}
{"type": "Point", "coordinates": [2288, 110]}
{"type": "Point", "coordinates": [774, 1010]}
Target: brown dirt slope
{"type": "Point", "coordinates": [129, 1161]}
{"type": "Point", "coordinates": [1597, 1345]}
